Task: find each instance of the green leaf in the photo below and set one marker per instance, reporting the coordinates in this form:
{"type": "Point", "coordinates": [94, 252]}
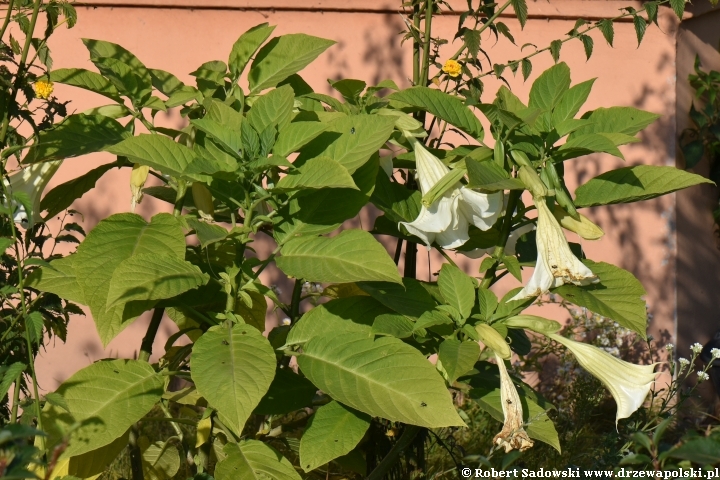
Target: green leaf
{"type": "Point", "coordinates": [393, 325]}
{"type": "Point", "coordinates": [233, 368]}
{"type": "Point", "coordinates": [702, 450]}
{"type": "Point", "coordinates": [319, 172]}
{"type": "Point", "coordinates": [410, 298]}
{"type": "Point", "coordinates": [448, 181]}
{"type": "Point", "coordinates": [457, 288]}
{"type": "Point", "coordinates": [254, 460]}
{"type": "Point", "coordinates": [571, 101]}
{"type": "Point", "coordinates": [627, 120]}
{"type": "Point", "coordinates": [526, 68]}
{"type": "Point", "coordinates": [296, 135]}
{"type": "Point", "coordinates": [80, 77]}
{"type": "Point", "coordinates": [678, 7]}
{"type": "Point", "coordinates": [490, 176]}
{"type": "Point", "coordinates": [617, 296]}
{"type": "Point", "coordinates": [351, 256]}
{"type": "Point", "coordinates": [5, 243]}
{"type": "Point", "coordinates": [77, 135]}
{"type": "Point", "coordinates": [153, 276]}
{"type": "Point", "coordinates": [246, 46]}
{"type": "Point", "coordinates": [442, 105]}
{"type": "Point", "coordinates": [555, 47]}
{"type": "Point", "coordinates": [332, 431]}
{"type": "Point", "coordinates": [550, 86]}
{"type": "Point", "coordinates": [578, 145]}
{"type": "Point", "coordinates": [113, 240]}
{"type": "Point", "coordinates": [513, 266]}
{"type": "Point", "coordinates": [288, 392]}
{"type": "Point", "coordinates": [182, 96]}
{"type": "Point", "coordinates": [521, 11]}
{"type": "Point", "coordinates": [632, 184]}
{"type": "Point", "coordinates": [8, 374]}
{"type": "Point", "coordinates": [103, 49]}
{"type": "Point", "coordinates": [607, 29]}
{"type": "Point", "coordinates": [349, 88]}
{"type": "Point", "coordinates": [640, 26]}
{"type": "Point", "coordinates": [59, 278]}
{"type": "Point", "coordinates": [352, 314]}
{"type": "Point", "coordinates": [588, 42]}
{"type": "Point", "coordinates": [229, 139]}
{"type": "Point", "coordinates": [165, 82]}
{"type": "Point", "coordinates": [383, 377]}
{"type": "Point", "coordinates": [283, 56]}
{"type": "Point", "coordinates": [93, 463]}
{"type": "Point", "coordinates": [107, 397]}
{"type": "Point", "coordinates": [457, 358]}
{"type": "Point", "coordinates": [351, 141]}
{"type": "Point", "coordinates": [273, 108]}
{"type": "Point", "coordinates": [157, 152]}
{"type": "Point", "coordinates": [125, 78]}
{"type": "Point", "coordinates": [160, 460]}
{"type": "Point", "coordinates": [62, 196]}
{"type": "Point", "coordinates": [399, 203]}
{"type": "Point", "coordinates": [114, 111]}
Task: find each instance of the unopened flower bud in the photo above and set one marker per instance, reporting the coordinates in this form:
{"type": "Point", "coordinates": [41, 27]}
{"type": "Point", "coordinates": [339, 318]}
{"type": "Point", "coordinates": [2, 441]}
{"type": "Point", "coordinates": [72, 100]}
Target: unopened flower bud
{"type": "Point", "coordinates": [137, 182]}
{"type": "Point", "coordinates": [203, 201]}
{"type": "Point", "coordinates": [532, 181]}
{"type": "Point", "coordinates": [585, 228]}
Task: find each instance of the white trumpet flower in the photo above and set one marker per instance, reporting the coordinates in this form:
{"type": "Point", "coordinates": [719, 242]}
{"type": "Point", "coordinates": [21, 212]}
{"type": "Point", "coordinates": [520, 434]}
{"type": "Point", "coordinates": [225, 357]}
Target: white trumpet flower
{"type": "Point", "coordinates": [446, 221]}
{"type": "Point", "coordinates": [30, 181]}
{"type": "Point", "coordinates": [628, 383]}
{"type": "Point", "coordinates": [556, 264]}
{"type": "Point", "coordinates": [513, 434]}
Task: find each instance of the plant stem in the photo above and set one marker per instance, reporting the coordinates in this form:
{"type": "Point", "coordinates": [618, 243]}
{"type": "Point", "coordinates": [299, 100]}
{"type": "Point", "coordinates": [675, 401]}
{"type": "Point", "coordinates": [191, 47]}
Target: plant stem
{"type": "Point", "coordinates": [135, 455]}
{"type": "Point", "coordinates": [7, 18]}
{"type": "Point", "coordinates": [16, 400]}
{"type": "Point", "coordinates": [426, 43]}
{"type": "Point", "coordinates": [490, 21]}
{"type": "Point", "coordinates": [405, 440]}
{"type": "Point", "coordinates": [149, 339]}
{"type": "Point", "coordinates": [295, 302]}
{"type": "Point", "coordinates": [504, 234]}
{"type": "Point", "coordinates": [416, 44]}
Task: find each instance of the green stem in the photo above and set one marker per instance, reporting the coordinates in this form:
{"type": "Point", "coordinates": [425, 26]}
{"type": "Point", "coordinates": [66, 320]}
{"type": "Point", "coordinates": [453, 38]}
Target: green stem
{"type": "Point", "coordinates": [135, 455]}
{"type": "Point", "coordinates": [295, 305]}
{"type": "Point", "coordinates": [504, 234]}
{"type": "Point", "coordinates": [416, 44]}
{"type": "Point", "coordinates": [426, 43]}
{"type": "Point", "coordinates": [149, 339]}
{"type": "Point", "coordinates": [16, 400]}
{"type": "Point", "coordinates": [180, 197]}
{"type": "Point", "coordinates": [489, 22]}
{"type": "Point", "coordinates": [7, 18]}
{"type": "Point", "coordinates": [405, 440]}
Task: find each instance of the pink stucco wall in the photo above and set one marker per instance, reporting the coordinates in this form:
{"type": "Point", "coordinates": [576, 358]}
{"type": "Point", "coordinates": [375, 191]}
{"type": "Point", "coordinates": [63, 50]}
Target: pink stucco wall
{"type": "Point", "coordinates": [179, 35]}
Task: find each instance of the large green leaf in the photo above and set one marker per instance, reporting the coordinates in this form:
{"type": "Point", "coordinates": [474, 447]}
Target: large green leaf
{"type": "Point", "coordinates": [383, 377]}
{"type": "Point", "coordinates": [254, 460]}
{"type": "Point", "coordinates": [617, 296]}
{"type": "Point", "coordinates": [126, 79]}
{"type": "Point", "coordinates": [490, 176]}
{"type": "Point", "coordinates": [93, 463]}
{"type": "Point", "coordinates": [550, 86]}
{"type": "Point", "coordinates": [351, 141]}
{"type": "Point", "coordinates": [288, 392]}
{"type": "Point", "coordinates": [160, 461]}
{"type": "Point", "coordinates": [351, 256]}
{"type": "Point", "coordinates": [486, 392]}
{"type": "Point", "coordinates": [107, 397]}
{"type": "Point", "coordinates": [410, 298]}
{"type": "Point", "coordinates": [570, 102]}
{"type": "Point", "coordinates": [273, 108]}
{"type": "Point", "coordinates": [229, 138]}
{"type": "Point", "coordinates": [319, 172]}
{"type": "Point", "coordinates": [332, 431]}
{"type": "Point", "coordinates": [114, 239]}
{"type": "Point", "coordinates": [457, 358]}
{"type": "Point", "coordinates": [80, 77]}
{"type": "Point", "coordinates": [442, 105]}
{"type": "Point", "coordinates": [100, 49]}
{"type": "Point", "coordinates": [627, 120]}
{"type": "Point", "coordinates": [457, 288]}
{"type": "Point", "coordinates": [77, 135]}
{"type": "Point", "coordinates": [400, 204]}
{"type": "Point", "coordinates": [62, 196]}
{"type": "Point", "coordinates": [283, 56]}
{"type": "Point", "coordinates": [233, 368]}
{"type": "Point", "coordinates": [296, 135]}
{"type": "Point", "coordinates": [156, 151]}
{"type": "Point", "coordinates": [352, 314]}
{"type": "Point", "coordinates": [153, 276]}
{"type": "Point", "coordinates": [579, 145]}
{"type": "Point", "coordinates": [246, 46]}
{"type": "Point", "coordinates": [632, 184]}
{"type": "Point", "coordinates": [58, 278]}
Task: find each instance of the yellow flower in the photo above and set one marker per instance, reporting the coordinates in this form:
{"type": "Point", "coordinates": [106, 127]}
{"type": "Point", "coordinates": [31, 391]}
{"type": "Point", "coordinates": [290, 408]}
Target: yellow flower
{"type": "Point", "coordinates": [43, 89]}
{"type": "Point", "coordinates": [452, 68]}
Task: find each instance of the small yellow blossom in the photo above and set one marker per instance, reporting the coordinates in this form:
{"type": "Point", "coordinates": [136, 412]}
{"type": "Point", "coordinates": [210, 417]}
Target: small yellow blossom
{"type": "Point", "coordinates": [43, 89]}
{"type": "Point", "coordinates": [452, 68]}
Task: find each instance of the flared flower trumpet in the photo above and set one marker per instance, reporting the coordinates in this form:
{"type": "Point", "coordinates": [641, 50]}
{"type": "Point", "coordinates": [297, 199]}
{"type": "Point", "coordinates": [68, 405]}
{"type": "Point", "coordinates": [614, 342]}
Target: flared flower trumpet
{"type": "Point", "coordinates": [628, 383]}
{"type": "Point", "coordinates": [556, 264]}
{"type": "Point", "coordinates": [31, 182]}
{"type": "Point", "coordinates": [513, 435]}
{"type": "Point", "coordinates": [446, 221]}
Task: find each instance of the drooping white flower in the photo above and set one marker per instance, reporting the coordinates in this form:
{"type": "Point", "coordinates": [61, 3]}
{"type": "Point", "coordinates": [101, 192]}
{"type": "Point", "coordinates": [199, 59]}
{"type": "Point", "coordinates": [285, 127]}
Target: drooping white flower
{"type": "Point", "coordinates": [628, 383]}
{"type": "Point", "coordinates": [556, 264]}
{"type": "Point", "coordinates": [446, 221]}
{"type": "Point", "coordinates": [30, 181]}
{"type": "Point", "coordinates": [513, 434]}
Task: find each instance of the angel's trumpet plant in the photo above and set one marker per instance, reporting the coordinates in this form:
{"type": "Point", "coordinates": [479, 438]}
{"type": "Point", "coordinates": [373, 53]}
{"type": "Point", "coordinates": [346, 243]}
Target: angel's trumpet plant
{"type": "Point", "coordinates": [513, 435]}
{"type": "Point", "coordinates": [138, 177]}
{"type": "Point", "coordinates": [447, 220]}
{"type": "Point", "coordinates": [30, 182]}
{"type": "Point", "coordinates": [556, 264]}
{"type": "Point", "coordinates": [628, 383]}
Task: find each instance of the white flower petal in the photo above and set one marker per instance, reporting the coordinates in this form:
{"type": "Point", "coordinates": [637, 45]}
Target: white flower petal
{"type": "Point", "coordinates": [480, 209]}
{"type": "Point", "coordinates": [513, 435]}
{"type": "Point", "coordinates": [541, 281]}
{"type": "Point", "coordinates": [429, 168]}
{"type": "Point", "coordinates": [628, 383]}
{"type": "Point", "coordinates": [431, 221]}
{"type": "Point", "coordinates": [32, 181]}
{"type": "Point", "coordinates": [457, 233]}
{"type": "Point", "coordinates": [515, 236]}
